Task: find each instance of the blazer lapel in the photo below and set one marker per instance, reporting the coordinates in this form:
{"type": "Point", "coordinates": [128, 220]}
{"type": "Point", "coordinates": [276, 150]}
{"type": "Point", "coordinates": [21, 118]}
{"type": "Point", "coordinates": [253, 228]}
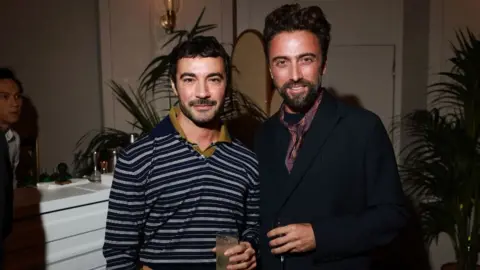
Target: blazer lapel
{"type": "Point", "coordinates": [323, 123]}
{"type": "Point", "coordinates": [278, 151]}
{"type": "Point", "coordinates": [275, 147]}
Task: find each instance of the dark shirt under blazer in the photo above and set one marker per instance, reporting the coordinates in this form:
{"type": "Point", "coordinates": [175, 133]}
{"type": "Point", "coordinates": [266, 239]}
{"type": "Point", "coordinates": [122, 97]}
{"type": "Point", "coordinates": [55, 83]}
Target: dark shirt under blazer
{"type": "Point", "coordinates": [344, 182]}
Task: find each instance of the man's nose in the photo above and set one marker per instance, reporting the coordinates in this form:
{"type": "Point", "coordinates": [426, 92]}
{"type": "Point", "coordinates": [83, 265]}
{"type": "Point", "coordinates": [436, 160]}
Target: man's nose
{"type": "Point", "coordinates": [202, 91]}
{"type": "Point", "coordinates": [296, 73]}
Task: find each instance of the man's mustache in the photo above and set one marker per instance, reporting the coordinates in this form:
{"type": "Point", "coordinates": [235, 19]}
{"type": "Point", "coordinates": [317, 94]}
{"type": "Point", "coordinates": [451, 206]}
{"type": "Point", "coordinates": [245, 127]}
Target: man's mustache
{"type": "Point", "coordinates": [207, 102]}
{"type": "Point", "coordinates": [299, 83]}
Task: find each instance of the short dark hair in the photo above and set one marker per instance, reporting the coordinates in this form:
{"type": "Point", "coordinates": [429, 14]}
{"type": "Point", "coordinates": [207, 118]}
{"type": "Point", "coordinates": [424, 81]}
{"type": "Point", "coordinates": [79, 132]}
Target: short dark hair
{"type": "Point", "coordinates": [199, 46]}
{"type": "Point", "coordinates": [292, 17]}
{"type": "Point", "coordinates": [8, 74]}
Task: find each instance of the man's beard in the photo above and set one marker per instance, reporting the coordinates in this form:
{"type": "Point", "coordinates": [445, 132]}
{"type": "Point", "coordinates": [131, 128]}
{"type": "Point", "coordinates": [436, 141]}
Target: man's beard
{"type": "Point", "coordinates": [301, 102]}
{"type": "Point", "coordinates": [187, 110]}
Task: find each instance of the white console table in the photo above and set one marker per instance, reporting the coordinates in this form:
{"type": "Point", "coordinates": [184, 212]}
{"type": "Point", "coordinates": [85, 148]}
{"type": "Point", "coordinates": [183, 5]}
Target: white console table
{"type": "Point", "coordinates": [58, 229]}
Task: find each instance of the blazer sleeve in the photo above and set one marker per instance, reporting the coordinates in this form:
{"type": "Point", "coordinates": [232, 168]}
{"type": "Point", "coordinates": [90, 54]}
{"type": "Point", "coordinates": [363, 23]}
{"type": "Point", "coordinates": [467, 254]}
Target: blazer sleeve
{"type": "Point", "coordinates": [386, 214]}
{"type": "Point", "coordinates": [6, 193]}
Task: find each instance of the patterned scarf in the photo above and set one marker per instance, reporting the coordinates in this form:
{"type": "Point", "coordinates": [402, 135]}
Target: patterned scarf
{"type": "Point", "coordinates": [298, 131]}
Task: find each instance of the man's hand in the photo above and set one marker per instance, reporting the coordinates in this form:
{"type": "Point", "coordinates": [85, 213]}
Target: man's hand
{"type": "Point", "coordinates": [241, 256]}
{"type": "Point", "coordinates": [293, 238]}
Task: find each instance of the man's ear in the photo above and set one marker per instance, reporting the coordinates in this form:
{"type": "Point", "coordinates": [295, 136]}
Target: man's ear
{"type": "Point", "coordinates": [173, 87]}
{"type": "Point", "coordinates": [271, 74]}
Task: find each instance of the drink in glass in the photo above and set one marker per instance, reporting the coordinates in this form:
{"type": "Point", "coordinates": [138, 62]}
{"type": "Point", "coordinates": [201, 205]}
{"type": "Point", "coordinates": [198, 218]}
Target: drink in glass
{"type": "Point", "coordinates": [224, 242]}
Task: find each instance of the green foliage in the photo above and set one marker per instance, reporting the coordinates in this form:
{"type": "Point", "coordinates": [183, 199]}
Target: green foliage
{"type": "Point", "coordinates": [441, 168]}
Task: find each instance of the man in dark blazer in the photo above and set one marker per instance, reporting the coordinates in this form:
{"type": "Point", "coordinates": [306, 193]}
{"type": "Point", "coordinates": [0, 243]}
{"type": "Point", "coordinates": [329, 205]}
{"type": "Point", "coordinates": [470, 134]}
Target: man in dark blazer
{"type": "Point", "coordinates": [330, 189]}
{"type": "Point", "coordinates": [6, 193]}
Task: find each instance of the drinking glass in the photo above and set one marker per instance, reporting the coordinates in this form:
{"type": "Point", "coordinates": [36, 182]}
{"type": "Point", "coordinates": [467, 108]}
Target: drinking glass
{"type": "Point", "coordinates": [96, 175]}
{"type": "Point", "coordinates": [275, 224]}
{"type": "Point", "coordinates": [224, 241]}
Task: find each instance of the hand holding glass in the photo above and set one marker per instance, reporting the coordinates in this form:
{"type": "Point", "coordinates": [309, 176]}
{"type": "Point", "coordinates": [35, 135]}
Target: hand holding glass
{"type": "Point", "coordinates": [224, 241]}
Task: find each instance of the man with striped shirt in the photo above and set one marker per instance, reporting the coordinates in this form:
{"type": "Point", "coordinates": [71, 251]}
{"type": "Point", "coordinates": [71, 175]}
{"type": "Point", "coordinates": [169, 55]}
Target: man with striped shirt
{"type": "Point", "coordinates": [177, 187]}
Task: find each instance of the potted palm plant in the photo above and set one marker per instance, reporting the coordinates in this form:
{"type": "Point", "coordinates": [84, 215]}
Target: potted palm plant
{"type": "Point", "coordinates": [441, 169]}
{"type": "Point", "coordinates": [140, 103]}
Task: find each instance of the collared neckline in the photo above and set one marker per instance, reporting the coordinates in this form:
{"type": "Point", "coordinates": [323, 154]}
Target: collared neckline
{"type": "Point", "coordinates": [9, 135]}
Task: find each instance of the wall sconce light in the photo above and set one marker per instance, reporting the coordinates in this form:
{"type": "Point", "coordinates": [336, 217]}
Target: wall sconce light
{"type": "Point", "coordinates": [168, 20]}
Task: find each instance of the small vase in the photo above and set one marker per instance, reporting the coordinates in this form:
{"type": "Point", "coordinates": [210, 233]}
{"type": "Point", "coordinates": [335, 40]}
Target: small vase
{"type": "Point", "coordinates": [453, 266]}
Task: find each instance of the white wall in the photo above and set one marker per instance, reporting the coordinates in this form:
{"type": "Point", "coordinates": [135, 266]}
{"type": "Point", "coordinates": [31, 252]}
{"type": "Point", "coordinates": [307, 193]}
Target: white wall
{"type": "Point", "coordinates": [415, 56]}
{"type": "Point", "coordinates": [53, 46]}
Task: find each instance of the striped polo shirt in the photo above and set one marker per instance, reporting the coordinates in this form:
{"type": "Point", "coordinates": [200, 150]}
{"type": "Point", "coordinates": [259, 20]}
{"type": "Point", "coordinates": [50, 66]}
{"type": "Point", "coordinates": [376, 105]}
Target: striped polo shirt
{"type": "Point", "coordinates": [169, 199]}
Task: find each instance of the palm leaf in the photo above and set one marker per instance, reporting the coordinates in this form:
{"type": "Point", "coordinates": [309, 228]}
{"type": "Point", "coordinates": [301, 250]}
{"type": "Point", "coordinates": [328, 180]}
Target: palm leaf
{"type": "Point", "coordinates": [205, 28]}
{"type": "Point", "coordinates": [146, 118]}
{"type": "Point", "coordinates": [441, 165]}
{"type": "Point", "coordinates": [155, 78]}
{"type": "Point", "coordinates": [96, 140]}
{"type": "Point", "coordinates": [138, 106]}
{"type": "Point", "coordinates": [436, 218]}
{"type": "Point", "coordinates": [177, 35]}
{"type": "Point", "coordinates": [149, 75]}
{"type": "Point", "coordinates": [191, 34]}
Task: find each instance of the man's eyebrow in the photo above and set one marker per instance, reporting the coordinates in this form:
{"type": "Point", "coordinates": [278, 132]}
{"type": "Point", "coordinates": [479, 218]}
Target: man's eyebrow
{"type": "Point", "coordinates": [279, 58]}
{"type": "Point", "coordinates": [215, 74]}
{"type": "Point", "coordinates": [306, 54]}
{"type": "Point", "coordinates": [187, 74]}
{"type": "Point", "coordinates": [297, 56]}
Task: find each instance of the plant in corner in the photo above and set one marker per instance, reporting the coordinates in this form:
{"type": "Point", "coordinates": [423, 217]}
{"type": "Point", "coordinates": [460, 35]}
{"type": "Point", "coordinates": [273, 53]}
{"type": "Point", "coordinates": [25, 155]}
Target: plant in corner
{"type": "Point", "coordinates": [140, 103]}
{"type": "Point", "coordinates": [441, 168]}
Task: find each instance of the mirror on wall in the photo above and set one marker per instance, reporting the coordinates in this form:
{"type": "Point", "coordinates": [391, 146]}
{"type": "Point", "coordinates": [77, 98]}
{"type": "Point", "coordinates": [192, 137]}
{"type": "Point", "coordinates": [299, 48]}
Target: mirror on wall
{"type": "Point", "coordinates": [251, 75]}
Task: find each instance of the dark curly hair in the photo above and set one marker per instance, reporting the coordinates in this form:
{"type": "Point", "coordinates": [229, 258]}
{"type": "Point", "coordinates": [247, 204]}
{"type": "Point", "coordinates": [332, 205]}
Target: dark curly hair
{"type": "Point", "coordinates": [292, 17]}
{"type": "Point", "coordinates": [199, 46]}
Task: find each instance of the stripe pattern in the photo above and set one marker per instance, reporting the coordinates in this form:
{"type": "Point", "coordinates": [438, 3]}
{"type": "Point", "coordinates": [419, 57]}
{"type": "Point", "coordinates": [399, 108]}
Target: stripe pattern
{"type": "Point", "coordinates": [168, 202]}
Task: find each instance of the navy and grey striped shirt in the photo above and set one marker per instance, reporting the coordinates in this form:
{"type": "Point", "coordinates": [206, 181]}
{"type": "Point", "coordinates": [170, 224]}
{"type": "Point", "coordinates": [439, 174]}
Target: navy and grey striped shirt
{"type": "Point", "coordinates": [168, 201]}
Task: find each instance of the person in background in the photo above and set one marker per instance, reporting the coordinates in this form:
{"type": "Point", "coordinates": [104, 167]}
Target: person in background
{"type": "Point", "coordinates": [177, 187]}
{"type": "Point", "coordinates": [330, 193]}
{"type": "Point", "coordinates": [6, 194]}
{"type": "Point", "coordinates": [11, 99]}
